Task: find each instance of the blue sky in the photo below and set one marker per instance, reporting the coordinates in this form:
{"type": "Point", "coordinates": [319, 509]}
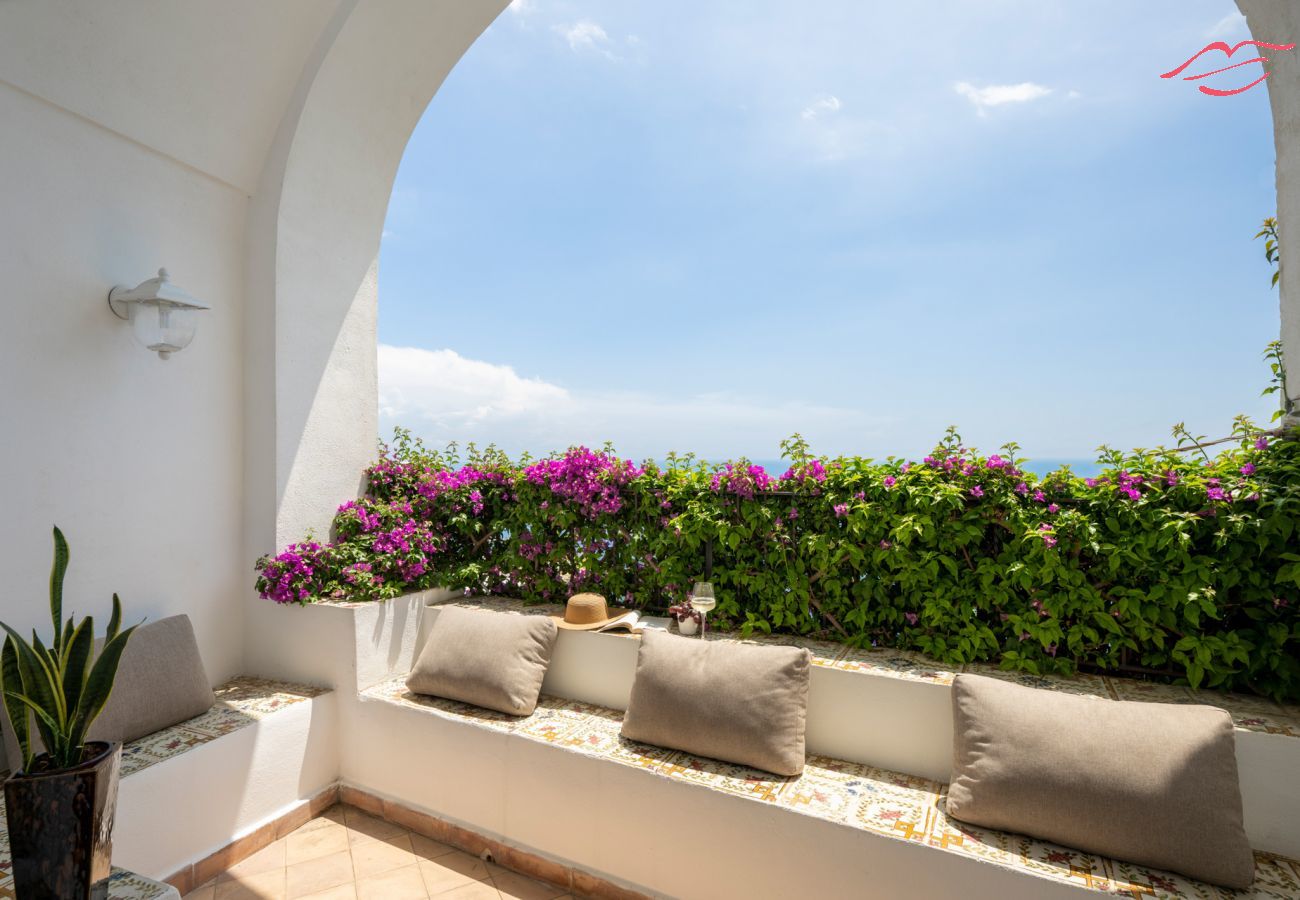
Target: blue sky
{"type": "Point", "coordinates": [705, 226]}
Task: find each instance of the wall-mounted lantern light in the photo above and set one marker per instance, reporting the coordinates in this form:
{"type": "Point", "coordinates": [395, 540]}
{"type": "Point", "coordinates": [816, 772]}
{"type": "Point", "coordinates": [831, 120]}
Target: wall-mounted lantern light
{"type": "Point", "coordinates": [162, 316]}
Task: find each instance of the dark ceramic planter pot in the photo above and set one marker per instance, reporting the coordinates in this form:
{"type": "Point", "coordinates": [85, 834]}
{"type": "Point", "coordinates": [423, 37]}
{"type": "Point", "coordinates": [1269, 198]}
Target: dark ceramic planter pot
{"type": "Point", "coordinates": [61, 827]}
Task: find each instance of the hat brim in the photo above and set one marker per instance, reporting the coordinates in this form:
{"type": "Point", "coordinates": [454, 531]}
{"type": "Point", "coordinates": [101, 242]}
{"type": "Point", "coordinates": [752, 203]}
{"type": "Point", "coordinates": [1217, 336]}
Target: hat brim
{"type": "Point", "coordinates": [591, 626]}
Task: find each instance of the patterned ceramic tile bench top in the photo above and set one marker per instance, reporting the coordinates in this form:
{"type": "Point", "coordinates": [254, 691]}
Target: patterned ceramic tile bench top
{"type": "Point", "coordinates": [1248, 712]}
{"type": "Point", "coordinates": [901, 807]}
{"type": "Point", "coordinates": [240, 702]}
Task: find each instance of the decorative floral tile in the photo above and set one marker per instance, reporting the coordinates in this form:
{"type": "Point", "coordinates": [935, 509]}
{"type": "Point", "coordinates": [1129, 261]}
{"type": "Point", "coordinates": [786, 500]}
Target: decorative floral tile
{"type": "Point", "coordinates": [1248, 713]}
{"type": "Point", "coordinates": [1082, 685]}
{"type": "Point", "coordinates": [240, 702]}
{"type": "Point", "coordinates": [895, 664]}
{"type": "Point", "coordinates": [824, 653]}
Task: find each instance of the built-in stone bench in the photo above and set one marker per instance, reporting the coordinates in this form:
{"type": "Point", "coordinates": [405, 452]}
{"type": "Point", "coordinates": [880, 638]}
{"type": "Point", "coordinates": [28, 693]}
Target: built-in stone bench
{"type": "Point", "coordinates": [189, 791]}
{"type": "Point", "coordinates": [517, 766]}
{"type": "Point", "coordinates": [618, 818]}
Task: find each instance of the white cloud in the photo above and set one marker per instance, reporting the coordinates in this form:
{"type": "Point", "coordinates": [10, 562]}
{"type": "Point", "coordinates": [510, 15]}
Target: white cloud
{"type": "Point", "coordinates": [1000, 94]}
{"type": "Point", "coordinates": [585, 35]}
{"type": "Point", "coordinates": [834, 136]}
{"type": "Point", "coordinates": [443, 396]}
{"type": "Point", "coordinates": [1232, 24]}
{"type": "Point", "coordinates": [451, 391]}
{"type": "Point", "coordinates": [522, 7]}
{"type": "Point", "coordinates": [824, 106]}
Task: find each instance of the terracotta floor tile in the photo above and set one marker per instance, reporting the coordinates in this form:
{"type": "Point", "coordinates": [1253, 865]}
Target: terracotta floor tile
{"type": "Point", "coordinates": [374, 857]}
{"type": "Point", "coordinates": [428, 847]}
{"type": "Point", "coordinates": [399, 884]}
{"type": "Point", "coordinates": [268, 859]}
{"type": "Point", "coordinates": [316, 840]}
{"type": "Point", "coordinates": [342, 892]}
{"type": "Point", "coordinates": [315, 875]}
{"type": "Point", "coordinates": [264, 886]}
{"type": "Point", "coordinates": [202, 892]}
{"type": "Point", "coordinates": [362, 827]}
{"type": "Point", "coordinates": [333, 815]}
{"type": "Point", "coordinates": [477, 890]}
{"type": "Point", "coordinates": [514, 886]}
{"type": "Point", "coordinates": [452, 871]}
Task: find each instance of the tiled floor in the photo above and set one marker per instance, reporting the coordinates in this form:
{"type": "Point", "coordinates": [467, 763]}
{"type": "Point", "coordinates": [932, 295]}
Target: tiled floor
{"type": "Point", "coordinates": [346, 854]}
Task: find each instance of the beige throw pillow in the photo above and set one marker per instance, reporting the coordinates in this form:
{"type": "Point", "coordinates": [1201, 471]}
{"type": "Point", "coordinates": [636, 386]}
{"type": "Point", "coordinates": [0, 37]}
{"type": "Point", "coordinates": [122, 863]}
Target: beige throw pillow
{"type": "Point", "coordinates": [742, 703]}
{"type": "Point", "coordinates": [491, 659]}
{"type": "Point", "coordinates": [1151, 783]}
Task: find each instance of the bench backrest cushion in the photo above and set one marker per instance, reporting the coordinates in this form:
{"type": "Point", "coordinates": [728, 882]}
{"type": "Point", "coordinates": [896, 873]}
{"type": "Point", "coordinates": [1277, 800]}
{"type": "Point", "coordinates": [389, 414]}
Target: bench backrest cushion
{"type": "Point", "coordinates": [496, 660]}
{"type": "Point", "coordinates": [742, 703]}
{"type": "Point", "coordinates": [1151, 783]}
{"type": "Point", "coordinates": [160, 682]}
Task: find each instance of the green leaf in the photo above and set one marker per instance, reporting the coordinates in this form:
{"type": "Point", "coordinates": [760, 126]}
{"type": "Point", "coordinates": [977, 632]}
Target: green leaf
{"type": "Point", "coordinates": [57, 572]}
{"type": "Point", "coordinates": [10, 680]}
{"type": "Point", "coordinates": [98, 686]}
{"type": "Point", "coordinates": [41, 716]}
{"type": "Point", "coordinates": [38, 681]}
{"type": "Point", "coordinates": [75, 662]}
{"type": "Point", "coordinates": [114, 621]}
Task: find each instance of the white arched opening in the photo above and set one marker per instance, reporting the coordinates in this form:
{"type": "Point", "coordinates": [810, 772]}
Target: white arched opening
{"type": "Point", "coordinates": [313, 245]}
{"type": "Point", "coordinates": [1280, 23]}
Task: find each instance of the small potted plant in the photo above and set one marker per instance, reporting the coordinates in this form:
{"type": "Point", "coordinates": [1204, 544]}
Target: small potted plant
{"type": "Point", "coordinates": [687, 617]}
{"type": "Point", "coordinates": [60, 804]}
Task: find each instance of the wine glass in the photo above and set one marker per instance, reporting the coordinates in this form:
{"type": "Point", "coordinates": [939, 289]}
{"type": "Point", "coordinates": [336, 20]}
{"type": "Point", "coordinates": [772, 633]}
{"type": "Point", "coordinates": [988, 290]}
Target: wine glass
{"type": "Point", "coordinates": [703, 600]}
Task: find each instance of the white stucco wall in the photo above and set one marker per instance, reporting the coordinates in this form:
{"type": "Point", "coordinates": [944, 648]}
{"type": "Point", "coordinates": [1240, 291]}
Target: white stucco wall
{"type": "Point", "coordinates": [249, 147]}
{"type": "Point", "coordinates": [135, 458]}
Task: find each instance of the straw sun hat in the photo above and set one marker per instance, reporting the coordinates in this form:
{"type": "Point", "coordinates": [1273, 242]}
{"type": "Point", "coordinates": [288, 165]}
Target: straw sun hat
{"type": "Point", "coordinates": [584, 612]}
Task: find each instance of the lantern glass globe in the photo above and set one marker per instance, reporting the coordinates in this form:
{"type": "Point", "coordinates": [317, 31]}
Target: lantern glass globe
{"type": "Point", "coordinates": [162, 327]}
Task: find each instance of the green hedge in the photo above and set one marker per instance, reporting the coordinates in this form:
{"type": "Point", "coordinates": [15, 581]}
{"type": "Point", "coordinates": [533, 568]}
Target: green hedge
{"type": "Point", "coordinates": [1182, 565]}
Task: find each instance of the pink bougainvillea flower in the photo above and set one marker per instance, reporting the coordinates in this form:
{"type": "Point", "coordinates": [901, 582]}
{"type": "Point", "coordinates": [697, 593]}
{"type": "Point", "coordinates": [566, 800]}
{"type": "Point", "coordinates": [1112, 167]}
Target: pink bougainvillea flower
{"type": "Point", "coordinates": [977, 491]}
{"type": "Point", "coordinates": [889, 481]}
{"type": "Point", "coordinates": [1248, 469]}
{"type": "Point", "coordinates": [1216, 493]}
{"type": "Point", "coordinates": [995, 462]}
{"type": "Point", "coordinates": [841, 510]}
{"type": "Point", "coordinates": [1261, 443]}
{"type": "Point", "coordinates": [1022, 489]}
{"type": "Point", "coordinates": [1053, 508]}
{"type": "Point", "coordinates": [911, 617]}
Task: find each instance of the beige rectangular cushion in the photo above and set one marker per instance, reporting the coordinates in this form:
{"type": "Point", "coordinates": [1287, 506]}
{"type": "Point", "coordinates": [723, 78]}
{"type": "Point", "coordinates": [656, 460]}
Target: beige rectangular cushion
{"type": "Point", "coordinates": [491, 659]}
{"type": "Point", "coordinates": [1151, 783]}
{"type": "Point", "coordinates": [742, 703]}
{"type": "Point", "coordinates": [160, 682]}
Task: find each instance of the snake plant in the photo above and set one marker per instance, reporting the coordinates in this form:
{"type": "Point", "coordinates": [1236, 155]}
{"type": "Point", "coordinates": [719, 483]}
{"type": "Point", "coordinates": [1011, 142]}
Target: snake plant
{"type": "Point", "coordinates": [59, 687]}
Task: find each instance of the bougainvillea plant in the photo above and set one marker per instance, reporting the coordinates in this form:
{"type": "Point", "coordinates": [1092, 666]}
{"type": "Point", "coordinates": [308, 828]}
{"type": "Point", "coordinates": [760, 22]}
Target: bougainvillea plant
{"type": "Point", "coordinates": [1183, 563]}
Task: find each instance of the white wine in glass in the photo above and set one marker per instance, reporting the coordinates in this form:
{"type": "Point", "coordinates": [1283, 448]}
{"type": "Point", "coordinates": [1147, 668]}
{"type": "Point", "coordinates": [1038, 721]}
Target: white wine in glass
{"type": "Point", "coordinates": [703, 600]}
